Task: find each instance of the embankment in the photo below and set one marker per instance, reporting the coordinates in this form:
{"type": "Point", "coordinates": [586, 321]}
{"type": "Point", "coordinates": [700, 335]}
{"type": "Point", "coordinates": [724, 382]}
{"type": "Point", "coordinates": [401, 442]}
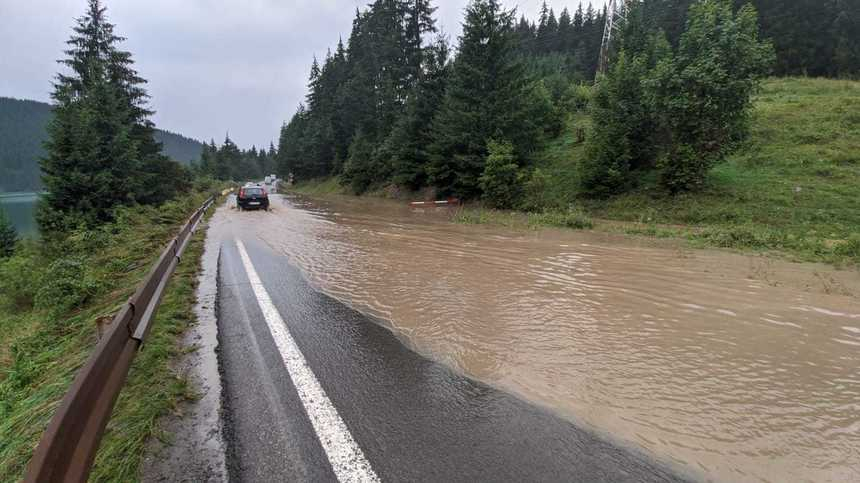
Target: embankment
{"type": "Point", "coordinates": [53, 298]}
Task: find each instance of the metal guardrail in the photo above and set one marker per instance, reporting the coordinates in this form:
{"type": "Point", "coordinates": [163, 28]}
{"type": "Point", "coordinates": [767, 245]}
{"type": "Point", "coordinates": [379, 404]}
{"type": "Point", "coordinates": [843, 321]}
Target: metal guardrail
{"type": "Point", "coordinates": [68, 447]}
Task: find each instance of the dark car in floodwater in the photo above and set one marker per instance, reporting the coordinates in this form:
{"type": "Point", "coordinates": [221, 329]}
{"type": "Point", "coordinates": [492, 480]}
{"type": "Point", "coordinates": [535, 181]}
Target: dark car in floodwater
{"type": "Point", "coordinates": [252, 198]}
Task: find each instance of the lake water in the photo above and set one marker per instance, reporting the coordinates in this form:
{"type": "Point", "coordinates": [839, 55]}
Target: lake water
{"type": "Point", "coordinates": [21, 209]}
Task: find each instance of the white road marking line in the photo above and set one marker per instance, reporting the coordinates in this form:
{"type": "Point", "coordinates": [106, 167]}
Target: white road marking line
{"type": "Point", "coordinates": [346, 458]}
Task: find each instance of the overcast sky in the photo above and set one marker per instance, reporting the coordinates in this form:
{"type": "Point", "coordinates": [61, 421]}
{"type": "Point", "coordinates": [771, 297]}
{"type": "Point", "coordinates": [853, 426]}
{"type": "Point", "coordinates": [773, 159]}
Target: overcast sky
{"type": "Point", "coordinates": [213, 66]}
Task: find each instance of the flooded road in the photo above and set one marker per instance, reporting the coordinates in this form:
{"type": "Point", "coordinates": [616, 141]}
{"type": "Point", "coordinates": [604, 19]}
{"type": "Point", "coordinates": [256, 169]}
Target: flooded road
{"type": "Point", "coordinates": [734, 368]}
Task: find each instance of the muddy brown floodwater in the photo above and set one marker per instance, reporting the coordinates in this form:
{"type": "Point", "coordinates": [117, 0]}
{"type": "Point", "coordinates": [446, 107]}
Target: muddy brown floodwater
{"type": "Point", "coordinates": [731, 367]}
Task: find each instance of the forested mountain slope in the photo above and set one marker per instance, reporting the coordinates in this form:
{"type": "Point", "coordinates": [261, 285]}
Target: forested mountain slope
{"type": "Point", "coordinates": [23, 130]}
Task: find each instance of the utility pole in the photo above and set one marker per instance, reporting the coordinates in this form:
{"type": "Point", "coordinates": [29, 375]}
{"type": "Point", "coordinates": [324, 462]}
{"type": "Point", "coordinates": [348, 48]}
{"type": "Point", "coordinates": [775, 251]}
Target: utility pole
{"type": "Point", "coordinates": [616, 15]}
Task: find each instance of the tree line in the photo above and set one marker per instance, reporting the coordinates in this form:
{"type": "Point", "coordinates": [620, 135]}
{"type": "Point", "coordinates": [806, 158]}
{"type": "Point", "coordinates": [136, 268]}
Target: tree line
{"type": "Point", "coordinates": [818, 38]}
{"type": "Point", "coordinates": [390, 107]}
{"type": "Point", "coordinates": [393, 106]}
{"type": "Point", "coordinates": [229, 162]}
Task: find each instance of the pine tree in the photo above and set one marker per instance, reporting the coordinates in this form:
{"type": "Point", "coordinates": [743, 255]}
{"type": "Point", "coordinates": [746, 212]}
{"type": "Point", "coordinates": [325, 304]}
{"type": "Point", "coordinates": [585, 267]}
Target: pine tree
{"type": "Point", "coordinates": [101, 151]}
{"type": "Point", "coordinates": [501, 181]}
{"type": "Point", "coordinates": [313, 85]}
{"type": "Point", "coordinates": [207, 159]}
{"type": "Point", "coordinates": [551, 33]}
{"type": "Point", "coordinates": [8, 236]}
{"type": "Point", "coordinates": [526, 36]}
{"type": "Point", "coordinates": [619, 112]}
{"type": "Point", "coordinates": [578, 20]}
{"type": "Point", "coordinates": [419, 23]}
{"type": "Point", "coordinates": [291, 160]}
{"type": "Point", "coordinates": [565, 31]}
{"type": "Point", "coordinates": [359, 95]}
{"type": "Point", "coordinates": [544, 34]}
{"type": "Point", "coordinates": [360, 171]}
{"type": "Point", "coordinates": [317, 145]}
{"type": "Point", "coordinates": [341, 130]}
{"type": "Point", "coordinates": [405, 150]}
{"type": "Point", "coordinates": [484, 100]}
{"type": "Point", "coordinates": [228, 160]}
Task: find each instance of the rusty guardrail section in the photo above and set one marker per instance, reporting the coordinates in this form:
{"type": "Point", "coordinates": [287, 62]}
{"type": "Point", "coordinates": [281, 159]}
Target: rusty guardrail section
{"type": "Point", "coordinates": [68, 447]}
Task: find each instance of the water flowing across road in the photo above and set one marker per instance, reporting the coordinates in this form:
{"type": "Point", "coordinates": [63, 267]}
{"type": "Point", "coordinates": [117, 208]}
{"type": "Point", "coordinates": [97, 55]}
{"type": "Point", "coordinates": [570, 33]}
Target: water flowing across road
{"type": "Point", "coordinates": [736, 368]}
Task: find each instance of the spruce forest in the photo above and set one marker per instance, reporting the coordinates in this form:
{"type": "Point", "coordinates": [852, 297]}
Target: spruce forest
{"type": "Point", "coordinates": [398, 104]}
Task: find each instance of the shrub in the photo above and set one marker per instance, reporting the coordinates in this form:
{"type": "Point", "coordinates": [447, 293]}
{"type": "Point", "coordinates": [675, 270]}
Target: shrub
{"type": "Point", "coordinates": [501, 181]}
{"type": "Point", "coordinates": [540, 112]}
{"type": "Point", "coordinates": [686, 110]}
{"type": "Point", "coordinates": [572, 218]}
{"type": "Point", "coordinates": [683, 168]}
{"type": "Point", "coordinates": [620, 120]}
{"type": "Point", "coordinates": [67, 285]}
{"type": "Point", "coordinates": [359, 171]}
{"type": "Point", "coordinates": [850, 248]}
{"type": "Point", "coordinates": [704, 93]}
{"type": "Point", "coordinates": [20, 277]}
{"type": "Point", "coordinates": [8, 236]}
{"type": "Point", "coordinates": [536, 192]}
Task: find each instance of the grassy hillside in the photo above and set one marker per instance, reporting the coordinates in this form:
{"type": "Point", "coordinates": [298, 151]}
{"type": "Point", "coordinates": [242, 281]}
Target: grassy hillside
{"type": "Point", "coordinates": [23, 132]}
{"type": "Point", "coordinates": [50, 300]}
{"type": "Point", "coordinates": [794, 187]}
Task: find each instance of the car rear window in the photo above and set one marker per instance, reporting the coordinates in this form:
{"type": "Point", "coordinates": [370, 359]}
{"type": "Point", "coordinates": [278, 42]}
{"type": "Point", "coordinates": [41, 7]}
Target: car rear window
{"type": "Point", "coordinates": [253, 191]}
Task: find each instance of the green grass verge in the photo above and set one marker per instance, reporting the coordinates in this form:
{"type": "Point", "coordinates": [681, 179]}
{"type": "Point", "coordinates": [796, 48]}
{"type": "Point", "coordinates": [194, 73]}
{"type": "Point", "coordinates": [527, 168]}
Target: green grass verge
{"type": "Point", "coordinates": [317, 187]}
{"type": "Point", "coordinates": [48, 328]}
{"type": "Point", "coordinates": [574, 219]}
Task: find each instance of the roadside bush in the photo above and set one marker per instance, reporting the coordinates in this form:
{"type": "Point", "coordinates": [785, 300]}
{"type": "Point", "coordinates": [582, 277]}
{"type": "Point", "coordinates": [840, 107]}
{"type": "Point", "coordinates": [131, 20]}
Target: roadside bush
{"type": "Point", "coordinates": [206, 184]}
{"type": "Point", "coordinates": [683, 168]}
{"type": "Point", "coordinates": [501, 181]}
{"type": "Point", "coordinates": [543, 111]}
{"type": "Point", "coordinates": [20, 277]}
{"type": "Point", "coordinates": [536, 193]}
{"type": "Point", "coordinates": [8, 236]}
{"type": "Point", "coordinates": [55, 224]}
{"type": "Point", "coordinates": [67, 286]}
{"type": "Point", "coordinates": [850, 248]}
{"type": "Point", "coordinates": [620, 116]}
{"type": "Point", "coordinates": [359, 171]}
{"type": "Point", "coordinates": [572, 218]}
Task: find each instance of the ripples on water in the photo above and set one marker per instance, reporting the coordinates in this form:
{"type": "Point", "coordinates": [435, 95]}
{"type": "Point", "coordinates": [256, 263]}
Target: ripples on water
{"type": "Point", "coordinates": [734, 367]}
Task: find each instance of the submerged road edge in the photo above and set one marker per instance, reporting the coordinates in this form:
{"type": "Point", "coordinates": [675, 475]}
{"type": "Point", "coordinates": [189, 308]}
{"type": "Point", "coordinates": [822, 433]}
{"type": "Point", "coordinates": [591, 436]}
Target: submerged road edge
{"type": "Point", "coordinates": [197, 450]}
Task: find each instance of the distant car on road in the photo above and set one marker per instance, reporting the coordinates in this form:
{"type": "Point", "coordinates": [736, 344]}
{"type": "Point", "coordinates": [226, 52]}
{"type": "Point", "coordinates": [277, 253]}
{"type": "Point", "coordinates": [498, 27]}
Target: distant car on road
{"type": "Point", "coordinates": [252, 197]}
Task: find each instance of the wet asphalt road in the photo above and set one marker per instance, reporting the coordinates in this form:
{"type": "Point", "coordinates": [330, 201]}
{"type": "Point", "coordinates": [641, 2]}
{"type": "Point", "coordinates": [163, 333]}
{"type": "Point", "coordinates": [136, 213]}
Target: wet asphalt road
{"type": "Point", "coordinates": [414, 419]}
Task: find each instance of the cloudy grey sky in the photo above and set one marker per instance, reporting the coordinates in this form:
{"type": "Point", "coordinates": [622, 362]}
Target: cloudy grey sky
{"type": "Point", "coordinates": [213, 65]}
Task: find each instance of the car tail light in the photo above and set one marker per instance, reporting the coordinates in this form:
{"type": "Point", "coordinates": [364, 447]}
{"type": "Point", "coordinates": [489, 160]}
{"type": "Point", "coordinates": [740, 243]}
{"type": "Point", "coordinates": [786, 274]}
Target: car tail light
{"type": "Point", "coordinates": [241, 192]}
